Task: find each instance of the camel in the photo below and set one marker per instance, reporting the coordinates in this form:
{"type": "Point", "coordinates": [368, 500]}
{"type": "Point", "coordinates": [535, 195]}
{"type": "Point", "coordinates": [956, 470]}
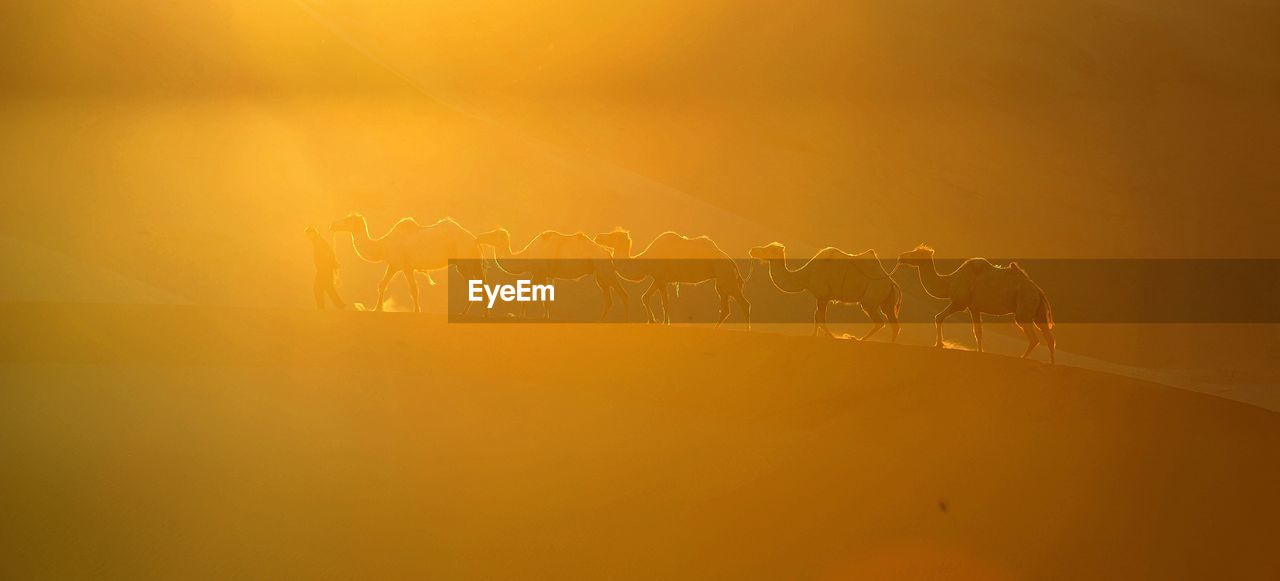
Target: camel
{"type": "Point", "coordinates": [982, 287]}
{"type": "Point", "coordinates": [835, 275]}
{"type": "Point", "coordinates": [409, 247]}
{"type": "Point", "coordinates": [553, 255]}
{"type": "Point", "coordinates": [673, 258]}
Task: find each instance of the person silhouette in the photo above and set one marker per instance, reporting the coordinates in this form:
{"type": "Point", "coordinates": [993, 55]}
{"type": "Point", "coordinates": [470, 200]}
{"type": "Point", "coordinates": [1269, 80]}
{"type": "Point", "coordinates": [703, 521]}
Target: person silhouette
{"type": "Point", "coordinates": [326, 270]}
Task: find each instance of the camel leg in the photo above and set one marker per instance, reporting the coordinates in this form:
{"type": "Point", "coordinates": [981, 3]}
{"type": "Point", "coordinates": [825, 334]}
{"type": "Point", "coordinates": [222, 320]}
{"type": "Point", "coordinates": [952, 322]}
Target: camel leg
{"type": "Point", "coordinates": [608, 289]}
{"type": "Point", "coordinates": [876, 317]}
{"type": "Point", "coordinates": [626, 300]}
{"type": "Point", "coordinates": [746, 306]}
{"type": "Point", "coordinates": [466, 305]}
{"type": "Point", "coordinates": [977, 327]}
{"type": "Point", "coordinates": [666, 309]}
{"type": "Point", "coordinates": [472, 274]}
{"type": "Point", "coordinates": [1048, 340]}
{"type": "Point", "coordinates": [382, 286]}
{"type": "Point", "coordinates": [666, 292]}
{"type": "Point", "coordinates": [1032, 341]}
{"type": "Point", "coordinates": [657, 296]}
{"type": "Point", "coordinates": [889, 310]}
{"type": "Point", "coordinates": [820, 318]}
{"type": "Point", "coordinates": [607, 286]}
{"type": "Point", "coordinates": [608, 298]}
{"type": "Point", "coordinates": [645, 300]}
{"type": "Point", "coordinates": [724, 310]}
{"type": "Point", "coordinates": [937, 321]}
{"type": "Point", "coordinates": [411, 277]}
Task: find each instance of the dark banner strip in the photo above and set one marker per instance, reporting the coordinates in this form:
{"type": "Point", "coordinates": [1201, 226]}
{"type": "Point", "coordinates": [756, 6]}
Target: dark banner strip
{"type": "Point", "coordinates": [1076, 290]}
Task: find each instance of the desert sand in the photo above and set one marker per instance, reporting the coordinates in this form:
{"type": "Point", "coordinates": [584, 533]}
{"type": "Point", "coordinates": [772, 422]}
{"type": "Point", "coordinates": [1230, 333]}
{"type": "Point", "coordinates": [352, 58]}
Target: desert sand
{"type": "Point", "coordinates": [157, 155]}
{"type": "Point", "coordinates": [214, 443]}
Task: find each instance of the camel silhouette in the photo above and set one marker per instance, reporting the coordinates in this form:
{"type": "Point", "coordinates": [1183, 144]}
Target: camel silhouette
{"type": "Point", "coordinates": [553, 255]}
{"type": "Point", "coordinates": [982, 287]}
{"type": "Point", "coordinates": [835, 275]}
{"type": "Point", "coordinates": [410, 247]}
{"type": "Point", "coordinates": [673, 258]}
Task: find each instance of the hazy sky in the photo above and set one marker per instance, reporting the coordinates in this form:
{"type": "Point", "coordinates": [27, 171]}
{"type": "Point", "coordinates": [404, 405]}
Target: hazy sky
{"type": "Point", "coordinates": [186, 145]}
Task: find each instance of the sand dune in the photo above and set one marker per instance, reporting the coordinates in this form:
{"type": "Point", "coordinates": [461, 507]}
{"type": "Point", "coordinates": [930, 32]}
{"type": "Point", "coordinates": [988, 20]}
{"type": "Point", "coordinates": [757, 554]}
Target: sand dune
{"type": "Point", "coordinates": [173, 152]}
{"type": "Point", "coordinates": [194, 442]}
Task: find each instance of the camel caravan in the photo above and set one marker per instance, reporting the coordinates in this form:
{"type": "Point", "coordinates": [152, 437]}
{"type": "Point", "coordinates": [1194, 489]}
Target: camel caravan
{"type": "Point", "coordinates": [553, 255]}
{"type": "Point", "coordinates": [675, 258]}
{"type": "Point", "coordinates": [672, 259]}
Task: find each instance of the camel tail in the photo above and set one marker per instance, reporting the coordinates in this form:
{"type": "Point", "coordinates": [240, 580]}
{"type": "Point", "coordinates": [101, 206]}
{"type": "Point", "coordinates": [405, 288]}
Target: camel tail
{"type": "Point", "coordinates": [1044, 313]}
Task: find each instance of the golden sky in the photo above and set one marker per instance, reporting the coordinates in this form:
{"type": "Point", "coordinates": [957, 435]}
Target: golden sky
{"type": "Point", "coordinates": [185, 145]}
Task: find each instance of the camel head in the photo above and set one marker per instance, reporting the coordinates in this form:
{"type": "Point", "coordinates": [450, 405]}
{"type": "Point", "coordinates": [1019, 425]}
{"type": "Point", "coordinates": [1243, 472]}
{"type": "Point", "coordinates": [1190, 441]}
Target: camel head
{"type": "Point", "coordinates": [916, 256]}
{"type": "Point", "coordinates": [351, 223]}
{"type": "Point", "coordinates": [771, 251]}
{"type": "Point", "coordinates": [498, 237]}
{"type": "Point", "coordinates": [615, 240]}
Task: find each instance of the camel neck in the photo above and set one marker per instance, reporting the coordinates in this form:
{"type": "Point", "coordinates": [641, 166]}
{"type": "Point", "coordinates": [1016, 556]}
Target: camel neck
{"type": "Point", "coordinates": [935, 284]}
{"type": "Point", "coordinates": [628, 266]}
{"type": "Point", "coordinates": [366, 247]}
{"type": "Point", "coordinates": [504, 251]}
{"type": "Point", "coordinates": [784, 278]}
{"type": "Point", "coordinates": [631, 268]}
{"type": "Point", "coordinates": [624, 249]}
{"type": "Point", "coordinates": [504, 258]}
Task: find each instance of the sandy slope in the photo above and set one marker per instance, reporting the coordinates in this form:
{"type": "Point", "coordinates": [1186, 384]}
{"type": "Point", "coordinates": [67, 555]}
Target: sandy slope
{"type": "Point", "coordinates": [184, 442]}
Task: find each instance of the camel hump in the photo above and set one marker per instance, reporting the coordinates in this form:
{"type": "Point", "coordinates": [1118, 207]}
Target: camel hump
{"type": "Point", "coordinates": [678, 246]}
{"type": "Point", "coordinates": [978, 265]}
{"type": "Point", "coordinates": [406, 225]}
{"type": "Point", "coordinates": [706, 244]}
{"type": "Point", "coordinates": [671, 239]}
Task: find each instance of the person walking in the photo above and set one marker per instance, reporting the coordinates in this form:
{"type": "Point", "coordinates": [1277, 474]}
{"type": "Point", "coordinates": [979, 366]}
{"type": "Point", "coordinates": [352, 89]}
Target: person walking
{"type": "Point", "coordinates": [326, 270]}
